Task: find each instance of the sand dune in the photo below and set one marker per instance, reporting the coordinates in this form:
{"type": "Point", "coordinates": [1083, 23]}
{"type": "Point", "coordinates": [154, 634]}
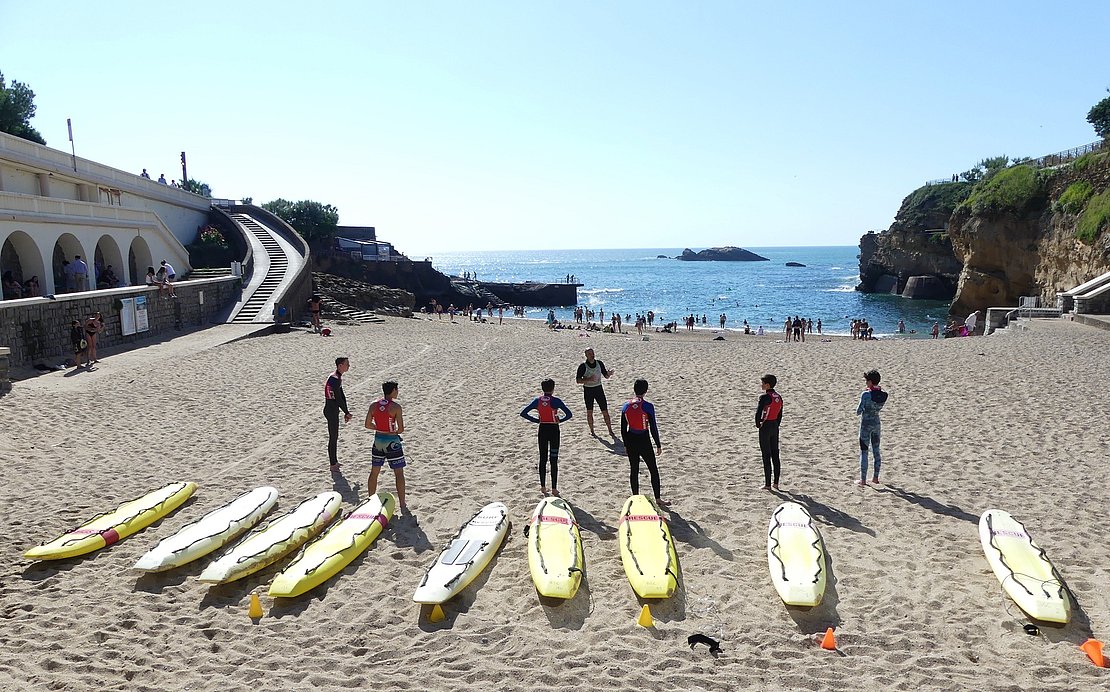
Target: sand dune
{"type": "Point", "coordinates": [1014, 421]}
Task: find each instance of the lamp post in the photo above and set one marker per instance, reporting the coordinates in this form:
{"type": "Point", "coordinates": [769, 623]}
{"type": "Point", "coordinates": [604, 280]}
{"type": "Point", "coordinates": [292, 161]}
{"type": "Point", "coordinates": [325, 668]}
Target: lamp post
{"type": "Point", "coordinates": [184, 172]}
{"type": "Point", "coordinates": [72, 150]}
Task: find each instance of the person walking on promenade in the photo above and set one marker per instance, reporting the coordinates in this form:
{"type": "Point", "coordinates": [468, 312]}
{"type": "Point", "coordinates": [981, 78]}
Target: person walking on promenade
{"type": "Point", "coordinates": [80, 274]}
{"type": "Point", "coordinates": [637, 422]}
{"type": "Point", "coordinates": [334, 402]}
{"type": "Point", "coordinates": [547, 407]}
{"type": "Point", "coordinates": [768, 415]}
{"type": "Point", "coordinates": [386, 420]}
{"type": "Point", "coordinates": [590, 374]}
{"type": "Point", "coordinates": [870, 428]}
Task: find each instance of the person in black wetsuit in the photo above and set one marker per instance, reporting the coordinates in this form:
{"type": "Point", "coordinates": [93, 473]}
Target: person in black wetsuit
{"type": "Point", "coordinates": [768, 414]}
{"type": "Point", "coordinates": [334, 402]}
{"type": "Point", "coordinates": [637, 421]}
{"type": "Point", "coordinates": [547, 409]}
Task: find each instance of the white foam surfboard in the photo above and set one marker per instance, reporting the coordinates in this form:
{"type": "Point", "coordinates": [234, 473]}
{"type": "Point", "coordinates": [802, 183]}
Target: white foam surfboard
{"type": "Point", "coordinates": [465, 556]}
{"type": "Point", "coordinates": [210, 532]}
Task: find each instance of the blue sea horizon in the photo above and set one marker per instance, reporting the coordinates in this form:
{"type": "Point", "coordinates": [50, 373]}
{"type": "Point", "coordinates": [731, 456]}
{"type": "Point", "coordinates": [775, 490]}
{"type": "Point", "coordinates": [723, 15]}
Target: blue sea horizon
{"type": "Point", "coordinates": [763, 293]}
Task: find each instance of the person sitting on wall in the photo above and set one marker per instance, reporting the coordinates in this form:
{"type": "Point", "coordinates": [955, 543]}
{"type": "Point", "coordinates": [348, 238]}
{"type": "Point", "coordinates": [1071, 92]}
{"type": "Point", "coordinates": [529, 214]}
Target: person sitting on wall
{"type": "Point", "coordinates": [151, 278]}
{"type": "Point", "coordinates": [162, 179]}
{"type": "Point", "coordinates": [168, 275]}
{"type": "Point", "coordinates": [12, 289]}
{"type": "Point", "coordinates": [108, 278]}
{"type": "Point", "coordinates": [31, 287]}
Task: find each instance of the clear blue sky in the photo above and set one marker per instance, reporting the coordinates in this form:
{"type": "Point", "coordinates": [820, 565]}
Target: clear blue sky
{"type": "Point", "coordinates": [536, 125]}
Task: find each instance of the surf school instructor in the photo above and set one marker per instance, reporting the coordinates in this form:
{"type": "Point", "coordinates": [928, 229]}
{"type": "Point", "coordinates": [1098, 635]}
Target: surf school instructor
{"type": "Point", "coordinates": [590, 375]}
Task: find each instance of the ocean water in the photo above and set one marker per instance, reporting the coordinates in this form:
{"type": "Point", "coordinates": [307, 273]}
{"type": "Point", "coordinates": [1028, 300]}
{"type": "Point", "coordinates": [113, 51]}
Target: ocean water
{"type": "Point", "coordinates": [764, 293]}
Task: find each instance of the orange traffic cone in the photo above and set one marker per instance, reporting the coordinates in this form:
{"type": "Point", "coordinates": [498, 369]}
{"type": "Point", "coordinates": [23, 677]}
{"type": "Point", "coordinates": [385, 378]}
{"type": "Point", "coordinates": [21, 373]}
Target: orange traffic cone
{"type": "Point", "coordinates": [255, 611]}
{"type": "Point", "coordinates": [437, 614]}
{"type": "Point", "coordinates": [829, 640]}
{"type": "Point", "coordinates": [645, 618]}
{"type": "Point", "coordinates": [1093, 649]}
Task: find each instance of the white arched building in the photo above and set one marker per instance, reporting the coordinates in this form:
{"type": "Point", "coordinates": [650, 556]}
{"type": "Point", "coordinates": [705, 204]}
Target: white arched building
{"type": "Point", "coordinates": [50, 212]}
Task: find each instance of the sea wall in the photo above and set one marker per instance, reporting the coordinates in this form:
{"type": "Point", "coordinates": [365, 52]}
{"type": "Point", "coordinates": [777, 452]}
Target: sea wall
{"type": "Point", "coordinates": [37, 329]}
{"type": "Point", "coordinates": [534, 294]}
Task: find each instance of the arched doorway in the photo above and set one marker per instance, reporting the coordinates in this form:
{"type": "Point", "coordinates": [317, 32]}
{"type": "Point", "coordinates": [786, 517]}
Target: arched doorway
{"type": "Point", "coordinates": [138, 259]}
{"type": "Point", "coordinates": [107, 256]}
{"type": "Point", "coordinates": [20, 256]}
{"type": "Point", "coordinates": [65, 249]}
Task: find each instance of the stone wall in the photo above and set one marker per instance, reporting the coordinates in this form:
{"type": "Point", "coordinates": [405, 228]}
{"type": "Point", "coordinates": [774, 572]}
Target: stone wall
{"type": "Point", "coordinates": [5, 379]}
{"type": "Point", "coordinates": [37, 329]}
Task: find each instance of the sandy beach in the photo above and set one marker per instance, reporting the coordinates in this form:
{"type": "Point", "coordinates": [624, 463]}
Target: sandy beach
{"type": "Point", "coordinates": [1009, 421]}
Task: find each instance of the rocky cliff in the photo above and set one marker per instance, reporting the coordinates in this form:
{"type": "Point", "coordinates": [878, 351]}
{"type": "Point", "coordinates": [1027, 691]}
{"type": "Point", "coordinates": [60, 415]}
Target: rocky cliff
{"type": "Point", "coordinates": [1029, 248]}
{"type": "Point", "coordinates": [986, 245]}
{"type": "Point", "coordinates": [916, 244]}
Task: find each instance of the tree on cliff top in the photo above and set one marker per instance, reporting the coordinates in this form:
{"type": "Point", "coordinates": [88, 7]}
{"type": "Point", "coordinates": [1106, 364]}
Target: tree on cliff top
{"type": "Point", "coordinates": [17, 107]}
{"type": "Point", "coordinates": [315, 222]}
{"type": "Point", "coordinates": [1099, 117]}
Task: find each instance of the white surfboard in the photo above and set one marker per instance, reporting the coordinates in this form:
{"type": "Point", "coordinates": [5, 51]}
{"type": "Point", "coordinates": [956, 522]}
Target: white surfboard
{"type": "Point", "coordinates": [465, 556]}
{"type": "Point", "coordinates": [1023, 568]}
{"type": "Point", "coordinates": [274, 541]}
{"type": "Point", "coordinates": [796, 556]}
{"type": "Point", "coordinates": [210, 532]}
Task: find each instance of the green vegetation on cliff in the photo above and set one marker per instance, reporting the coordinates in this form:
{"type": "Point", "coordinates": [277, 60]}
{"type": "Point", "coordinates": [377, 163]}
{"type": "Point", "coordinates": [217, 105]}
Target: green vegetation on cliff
{"type": "Point", "coordinates": [1095, 219]}
{"type": "Point", "coordinates": [930, 206]}
{"type": "Point", "coordinates": [1075, 197]}
{"type": "Point", "coordinates": [1011, 190]}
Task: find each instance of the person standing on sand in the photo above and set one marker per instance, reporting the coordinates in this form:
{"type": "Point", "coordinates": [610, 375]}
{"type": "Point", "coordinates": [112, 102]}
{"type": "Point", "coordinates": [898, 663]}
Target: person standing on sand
{"type": "Point", "coordinates": [93, 326]}
{"type": "Point", "coordinates": [768, 415]}
{"type": "Point", "coordinates": [870, 428]}
{"type": "Point", "coordinates": [637, 422]}
{"type": "Point", "coordinates": [386, 420]}
{"type": "Point", "coordinates": [547, 407]}
{"type": "Point", "coordinates": [334, 402]}
{"type": "Point", "coordinates": [314, 305]}
{"type": "Point", "coordinates": [589, 376]}
{"type": "Point", "coordinates": [936, 329]}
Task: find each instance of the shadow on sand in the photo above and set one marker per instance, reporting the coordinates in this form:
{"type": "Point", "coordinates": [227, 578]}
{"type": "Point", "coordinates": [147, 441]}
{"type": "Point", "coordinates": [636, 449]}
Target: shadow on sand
{"type": "Point", "coordinates": [691, 532]}
{"type": "Point", "coordinates": [348, 492]}
{"type": "Point", "coordinates": [589, 522]}
{"type": "Point", "coordinates": [615, 446]}
{"type": "Point", "coordinates": [569, 614]}
{"type": "Point", "coordinates": [928, 503]}
{"type": "Point", "coordinates": [408, 534]}
{"type": "Point", "coordinates": [825, 513]}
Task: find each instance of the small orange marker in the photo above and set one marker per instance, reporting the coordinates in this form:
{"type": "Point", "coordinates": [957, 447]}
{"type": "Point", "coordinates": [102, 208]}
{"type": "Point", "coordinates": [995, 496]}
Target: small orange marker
{"type": "Point", "coordinates": [645, 619]}
{"type": "Point", "coordinates": [437, 614]}
{"type": "Point", "coordinates": [255, 611]}
{"type": "Point", "coordinates": [1093, 649]}
{"type": "Point", "coordinates": [829, 640]}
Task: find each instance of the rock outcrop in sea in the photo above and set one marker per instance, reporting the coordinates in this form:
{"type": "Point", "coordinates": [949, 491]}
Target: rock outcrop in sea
{"type": "Point", "coordinates": [727, 253]}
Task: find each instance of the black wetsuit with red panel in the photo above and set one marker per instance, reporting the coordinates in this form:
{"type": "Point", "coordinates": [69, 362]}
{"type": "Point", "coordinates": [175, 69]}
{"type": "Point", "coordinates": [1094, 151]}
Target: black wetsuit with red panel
{"type": "Point", "coordinates": [768, 414]}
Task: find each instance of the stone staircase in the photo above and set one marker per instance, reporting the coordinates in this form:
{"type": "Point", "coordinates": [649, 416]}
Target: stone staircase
{"type": "Point", "coordinates": [275, 268]}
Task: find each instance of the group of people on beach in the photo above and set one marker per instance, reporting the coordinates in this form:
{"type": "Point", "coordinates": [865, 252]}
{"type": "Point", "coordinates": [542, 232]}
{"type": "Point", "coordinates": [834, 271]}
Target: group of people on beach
{"type": "Point", "coordinates": [639, 427]}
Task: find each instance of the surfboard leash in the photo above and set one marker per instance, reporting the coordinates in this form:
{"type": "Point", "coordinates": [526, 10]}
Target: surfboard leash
{"type": "Point", "coordinates": [774, 548]}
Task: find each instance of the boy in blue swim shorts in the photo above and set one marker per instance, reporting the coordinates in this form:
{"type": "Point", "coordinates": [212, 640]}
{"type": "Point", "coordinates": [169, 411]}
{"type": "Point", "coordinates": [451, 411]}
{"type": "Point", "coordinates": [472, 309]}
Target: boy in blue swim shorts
{"type": "Point", "coordinates": [386, 420]}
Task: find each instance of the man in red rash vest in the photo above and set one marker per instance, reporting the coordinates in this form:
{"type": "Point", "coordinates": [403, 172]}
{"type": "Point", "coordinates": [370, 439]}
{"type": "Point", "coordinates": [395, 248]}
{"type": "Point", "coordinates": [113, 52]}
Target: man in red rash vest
{"type": "Point", "coordinates": [386, 420]}
{"type": "Point", "coordinates": [768, 414]}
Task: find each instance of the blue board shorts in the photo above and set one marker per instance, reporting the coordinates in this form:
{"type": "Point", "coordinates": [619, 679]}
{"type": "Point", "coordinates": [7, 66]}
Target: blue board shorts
{"type": "Point", "coordinates": [388, 448]}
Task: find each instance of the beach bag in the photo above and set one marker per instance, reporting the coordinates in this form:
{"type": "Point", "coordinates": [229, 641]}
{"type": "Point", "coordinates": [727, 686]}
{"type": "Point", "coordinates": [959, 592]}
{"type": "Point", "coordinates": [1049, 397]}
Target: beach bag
{"type": "Point", "coordinates": [82, 345]}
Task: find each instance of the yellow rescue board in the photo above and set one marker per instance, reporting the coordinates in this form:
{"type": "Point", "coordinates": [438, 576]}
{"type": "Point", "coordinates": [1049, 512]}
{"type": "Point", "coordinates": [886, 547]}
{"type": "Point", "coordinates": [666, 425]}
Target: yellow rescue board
{"type": "Point", "coordinates": [110, 527]}
{"type": "Point", "coordinates": [796, 556]}
{"type": "Point", "coordinates": [1023, 568]}
{"type": "Point", "coordinates": [331, 552]}
{"type": "Point", "coordinates": [647, 550]}
{"type": "Point", "coordinates": [555, 556]}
